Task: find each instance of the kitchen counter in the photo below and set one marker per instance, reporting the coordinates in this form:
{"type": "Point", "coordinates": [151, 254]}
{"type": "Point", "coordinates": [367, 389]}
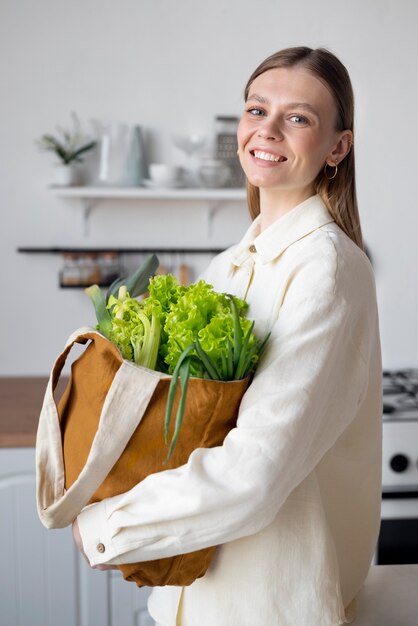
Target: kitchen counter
{"type": "Point", "coordinates": [20, 405]}
{"type": "Point", "coordinates": [389, 597]}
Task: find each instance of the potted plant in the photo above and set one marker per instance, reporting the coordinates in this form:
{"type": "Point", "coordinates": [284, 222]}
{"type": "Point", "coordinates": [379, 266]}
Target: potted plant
{"type": "Point", "coordinates": [68, 146]}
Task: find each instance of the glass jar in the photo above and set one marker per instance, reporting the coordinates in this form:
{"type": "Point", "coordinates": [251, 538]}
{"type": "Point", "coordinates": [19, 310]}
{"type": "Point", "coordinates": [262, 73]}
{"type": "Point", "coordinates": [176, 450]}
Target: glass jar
{"type": "Point", "coordinates": [71, 272]}
{"type": "Point", "coordinates": [109, 267]}
{"type": "Point", "coordinates": [90, 270]}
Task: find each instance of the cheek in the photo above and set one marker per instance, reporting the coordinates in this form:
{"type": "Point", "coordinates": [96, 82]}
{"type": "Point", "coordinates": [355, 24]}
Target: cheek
{"type": "Point", "coordinates": [242, 133]}
{"type": "Point", "coordinates": [313, 149]}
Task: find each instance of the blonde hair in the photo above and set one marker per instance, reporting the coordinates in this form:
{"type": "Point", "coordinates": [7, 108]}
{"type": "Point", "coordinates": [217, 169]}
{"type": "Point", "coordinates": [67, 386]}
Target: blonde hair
{"type": "Point", "coordinates": [339, 193]}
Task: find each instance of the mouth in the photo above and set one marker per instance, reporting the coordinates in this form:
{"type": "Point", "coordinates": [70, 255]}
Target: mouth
{"type": "Point", "coordinates": [268, 156]}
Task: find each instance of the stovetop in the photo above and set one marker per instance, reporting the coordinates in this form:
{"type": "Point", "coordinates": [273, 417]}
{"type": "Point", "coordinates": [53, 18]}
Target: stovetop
{"type": "Point", "coordinates": [400, 395]}
{"type": "Point", "coordinates": [400, 432]}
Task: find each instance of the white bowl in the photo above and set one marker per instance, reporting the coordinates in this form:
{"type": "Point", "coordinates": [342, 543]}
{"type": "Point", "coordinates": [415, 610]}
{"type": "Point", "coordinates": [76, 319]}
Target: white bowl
{"type": "Point", "coordinates": [164, 174]}
{"type": "Point", "coordinates": [214, 173]}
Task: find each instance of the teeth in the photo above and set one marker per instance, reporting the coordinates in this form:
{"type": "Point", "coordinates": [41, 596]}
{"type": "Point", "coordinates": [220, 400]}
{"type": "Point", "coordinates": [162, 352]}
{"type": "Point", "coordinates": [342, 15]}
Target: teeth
{"type": "Point", "coordinates": [266, 156]}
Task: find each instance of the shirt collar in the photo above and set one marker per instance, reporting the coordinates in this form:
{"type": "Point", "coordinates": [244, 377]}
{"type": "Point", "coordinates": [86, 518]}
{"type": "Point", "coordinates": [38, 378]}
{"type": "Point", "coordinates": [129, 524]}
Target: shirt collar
{"type": "Point", "coordinates": [273, 241]}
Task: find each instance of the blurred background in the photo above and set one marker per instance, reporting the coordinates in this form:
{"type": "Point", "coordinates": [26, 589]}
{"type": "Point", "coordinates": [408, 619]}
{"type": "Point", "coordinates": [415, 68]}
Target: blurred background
{"type": "Point", "coordinates": [162, 83]}
{"type": "Point", "coordinates": [171, 69]}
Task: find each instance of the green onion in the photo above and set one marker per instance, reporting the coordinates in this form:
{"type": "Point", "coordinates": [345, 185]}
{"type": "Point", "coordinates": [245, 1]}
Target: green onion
{"type": "Point", "coordinates": [230, 359]}
{"type": "Point", "coordinates": [208, 364]}
{"type": "Point", "coordinates": [173, 388]}
{"type": "Point", "coordinates": [239, 371]}
{"type": "Point", "coordinates": [237, 330]}
{"type": "Point", "coordinates": [184, 381]}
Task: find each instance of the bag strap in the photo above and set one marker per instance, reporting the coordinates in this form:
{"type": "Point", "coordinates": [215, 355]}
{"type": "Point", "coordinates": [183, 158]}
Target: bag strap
{"type": "Point", "coordinates": [82, 335]}
{"type": "Point", "coordinates": [129, 394]}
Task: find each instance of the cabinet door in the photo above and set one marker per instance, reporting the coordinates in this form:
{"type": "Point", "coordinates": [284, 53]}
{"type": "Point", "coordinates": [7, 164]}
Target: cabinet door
{"type": "Point", "coordinates": [44, 581]}
{"type": "Point", "coordinates": [128, 603]}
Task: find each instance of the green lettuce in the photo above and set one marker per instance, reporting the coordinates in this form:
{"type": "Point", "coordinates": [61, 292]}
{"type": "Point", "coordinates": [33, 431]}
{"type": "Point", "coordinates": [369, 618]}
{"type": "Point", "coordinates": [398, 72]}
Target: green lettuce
{"type": "Point", "coordinates": [203, 315]}
{"type": "Point", "coordinates": [182, 331]}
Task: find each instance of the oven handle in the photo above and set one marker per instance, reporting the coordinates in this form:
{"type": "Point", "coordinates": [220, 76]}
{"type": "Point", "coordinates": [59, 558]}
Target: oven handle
{"type": "Point", "coordinates": [399, 495]}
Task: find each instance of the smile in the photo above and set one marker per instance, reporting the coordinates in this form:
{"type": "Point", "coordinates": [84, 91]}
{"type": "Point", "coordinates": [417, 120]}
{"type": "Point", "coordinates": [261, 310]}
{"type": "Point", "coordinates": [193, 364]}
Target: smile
{"type": "Point", "coordinates": [267, 156]}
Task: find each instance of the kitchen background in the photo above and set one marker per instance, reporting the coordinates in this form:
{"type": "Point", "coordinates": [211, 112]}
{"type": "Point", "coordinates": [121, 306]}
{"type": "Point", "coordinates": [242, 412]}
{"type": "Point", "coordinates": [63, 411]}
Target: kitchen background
{"type": "Point", "coordinates": [171, 68]}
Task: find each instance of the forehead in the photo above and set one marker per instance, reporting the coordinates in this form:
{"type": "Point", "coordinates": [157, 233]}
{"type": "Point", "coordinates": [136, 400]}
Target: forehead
{"type": "Point", "coordinates": [292, 84]}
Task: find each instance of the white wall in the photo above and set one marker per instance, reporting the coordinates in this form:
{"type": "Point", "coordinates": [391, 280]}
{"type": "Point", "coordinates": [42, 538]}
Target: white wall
{"type": "Point", "coordinates": [172, 66]}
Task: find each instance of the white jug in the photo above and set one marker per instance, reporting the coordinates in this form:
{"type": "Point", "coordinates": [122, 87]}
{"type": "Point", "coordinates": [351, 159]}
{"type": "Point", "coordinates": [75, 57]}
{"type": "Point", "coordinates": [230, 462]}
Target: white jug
{"type": "Point", "coordinates": [121, 154]}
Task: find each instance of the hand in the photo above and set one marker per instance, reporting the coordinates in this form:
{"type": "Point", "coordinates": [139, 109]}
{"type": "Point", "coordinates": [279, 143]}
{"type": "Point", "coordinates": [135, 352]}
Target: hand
{"type": "Point", "coordinates": [79, 544]}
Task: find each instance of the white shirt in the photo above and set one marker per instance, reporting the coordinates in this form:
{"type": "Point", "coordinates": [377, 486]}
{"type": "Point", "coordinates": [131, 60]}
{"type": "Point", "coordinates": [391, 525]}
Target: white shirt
{"type": "Point", "coordinates": [292, 497]}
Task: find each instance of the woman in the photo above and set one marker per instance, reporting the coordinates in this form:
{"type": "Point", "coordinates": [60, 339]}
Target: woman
{"type": "Point", "coordinates": [292, 497]}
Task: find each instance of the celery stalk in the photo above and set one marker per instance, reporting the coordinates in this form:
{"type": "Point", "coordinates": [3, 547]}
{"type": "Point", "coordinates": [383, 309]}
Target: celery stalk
{"type": "Point", "coordinates": [148, 353]}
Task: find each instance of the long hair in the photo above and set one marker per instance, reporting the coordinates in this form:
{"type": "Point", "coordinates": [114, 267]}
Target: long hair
{"type": "Point", "coordinates": [339, 193]}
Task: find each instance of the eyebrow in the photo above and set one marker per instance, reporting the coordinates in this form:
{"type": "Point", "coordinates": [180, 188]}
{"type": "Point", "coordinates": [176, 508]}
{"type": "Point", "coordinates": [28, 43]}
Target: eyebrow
{"type": "Point", "coordinates": [291, 105]}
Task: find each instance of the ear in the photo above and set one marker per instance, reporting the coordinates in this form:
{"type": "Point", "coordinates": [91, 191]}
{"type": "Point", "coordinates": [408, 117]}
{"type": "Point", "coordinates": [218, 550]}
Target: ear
{"type": "Point", "coordinates": [341, 149]}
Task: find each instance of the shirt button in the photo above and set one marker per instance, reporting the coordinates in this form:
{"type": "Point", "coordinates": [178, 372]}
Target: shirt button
{"type": "Point", "coordinates": [100, 548]}
{"type": "Point", "coordinates": [252, 248]}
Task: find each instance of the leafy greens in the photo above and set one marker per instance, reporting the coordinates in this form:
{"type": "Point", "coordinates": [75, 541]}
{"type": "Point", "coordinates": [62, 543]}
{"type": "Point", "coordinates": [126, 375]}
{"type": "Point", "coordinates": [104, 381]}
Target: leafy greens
{"type": "Point", "coordinates": [179, 330]}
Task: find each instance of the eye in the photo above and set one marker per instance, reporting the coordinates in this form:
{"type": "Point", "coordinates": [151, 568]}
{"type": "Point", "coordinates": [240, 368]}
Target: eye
{"type": "Point", "coordinates": [298, 119]}
{"type": "Point", "coordinates": [256, 112]}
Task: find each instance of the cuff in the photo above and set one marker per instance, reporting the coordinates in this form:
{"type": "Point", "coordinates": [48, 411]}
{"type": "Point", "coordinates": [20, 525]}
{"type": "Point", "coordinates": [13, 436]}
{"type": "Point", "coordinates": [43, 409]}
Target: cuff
{"type": "Point", "coordinates": [96, 535]}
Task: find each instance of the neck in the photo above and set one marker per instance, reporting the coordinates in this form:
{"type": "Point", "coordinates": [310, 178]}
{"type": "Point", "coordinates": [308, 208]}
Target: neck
{"type": "Point", "coordinates": [274, 204]}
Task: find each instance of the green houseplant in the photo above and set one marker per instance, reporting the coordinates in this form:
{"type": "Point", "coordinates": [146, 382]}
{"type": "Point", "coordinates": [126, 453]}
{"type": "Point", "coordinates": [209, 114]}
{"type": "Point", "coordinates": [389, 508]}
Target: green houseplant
{"type": "Point", "coordinates": [69, 146]}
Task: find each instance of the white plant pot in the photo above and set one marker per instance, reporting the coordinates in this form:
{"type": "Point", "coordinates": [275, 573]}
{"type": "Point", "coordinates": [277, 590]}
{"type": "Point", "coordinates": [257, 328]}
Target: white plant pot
{"type": "Point", "coordinates": [65, 175]}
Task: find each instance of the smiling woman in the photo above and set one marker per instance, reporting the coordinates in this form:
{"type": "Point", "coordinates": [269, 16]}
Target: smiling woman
{"type": "Point", "coordinates": [291, 498]}
{"type": "Point", "coordinates": [284, 142]}
{"type": "Point", "coordinates": [305, 101]}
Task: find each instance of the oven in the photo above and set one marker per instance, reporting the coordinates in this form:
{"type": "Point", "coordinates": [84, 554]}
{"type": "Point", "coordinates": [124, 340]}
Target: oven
{"type": "Point", "coordinates": [398, 538]}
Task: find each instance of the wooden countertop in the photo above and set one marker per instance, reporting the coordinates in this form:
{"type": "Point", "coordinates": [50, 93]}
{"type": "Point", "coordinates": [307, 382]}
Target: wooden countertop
{"type": "Point", "coordinates": [20, 405]}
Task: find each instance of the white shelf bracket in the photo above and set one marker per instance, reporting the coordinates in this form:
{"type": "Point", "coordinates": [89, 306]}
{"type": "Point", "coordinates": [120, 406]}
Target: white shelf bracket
{"type": "Point", "coordinates": [88, 205]}
{"type": "Point", "coordinates": [213, 207]}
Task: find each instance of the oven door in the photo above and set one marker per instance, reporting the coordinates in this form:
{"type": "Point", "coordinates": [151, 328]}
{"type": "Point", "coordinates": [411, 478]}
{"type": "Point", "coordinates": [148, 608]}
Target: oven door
{"type": "Point", "coordinates": [398, 537]}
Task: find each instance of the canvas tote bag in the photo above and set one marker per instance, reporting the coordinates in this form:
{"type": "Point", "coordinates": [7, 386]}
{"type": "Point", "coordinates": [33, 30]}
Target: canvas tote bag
{"type": "Point", "coordinates": [107, 434]}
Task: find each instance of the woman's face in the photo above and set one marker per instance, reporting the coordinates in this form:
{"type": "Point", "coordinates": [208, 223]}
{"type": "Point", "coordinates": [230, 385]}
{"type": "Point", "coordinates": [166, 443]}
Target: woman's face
{"type": "Point", "coordinates": [287, 132]}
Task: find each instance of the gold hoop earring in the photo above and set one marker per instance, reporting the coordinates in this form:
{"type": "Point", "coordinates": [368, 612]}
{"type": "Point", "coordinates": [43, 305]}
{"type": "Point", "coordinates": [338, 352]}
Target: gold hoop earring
{"type": "Point", "coordinates": [334, 174]}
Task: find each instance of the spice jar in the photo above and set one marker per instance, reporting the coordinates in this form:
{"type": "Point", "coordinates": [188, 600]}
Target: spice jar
{"type": "Point", "coordinates": [90, 270]}
{"type": "Point", "coordinates": [71, 273]}
{"type": "Point", "coordinates": [109, 267]}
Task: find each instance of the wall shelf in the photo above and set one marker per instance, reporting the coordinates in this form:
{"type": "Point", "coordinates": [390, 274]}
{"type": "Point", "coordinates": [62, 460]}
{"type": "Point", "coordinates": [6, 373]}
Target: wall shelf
{"type": "Point", "coordinates": [138, 193]}
{"type": "Point", "coordinates": [87, 250]}
{"type": "Point", "coordinates": [91, 196]}
{"type": "Point", "coordinates": [80, 253]}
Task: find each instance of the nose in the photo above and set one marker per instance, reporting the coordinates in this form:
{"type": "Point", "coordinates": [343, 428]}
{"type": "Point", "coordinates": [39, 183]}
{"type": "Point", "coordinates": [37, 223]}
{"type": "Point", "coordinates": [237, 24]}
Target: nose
{"type": "Point", "coordinates": [270, 130]}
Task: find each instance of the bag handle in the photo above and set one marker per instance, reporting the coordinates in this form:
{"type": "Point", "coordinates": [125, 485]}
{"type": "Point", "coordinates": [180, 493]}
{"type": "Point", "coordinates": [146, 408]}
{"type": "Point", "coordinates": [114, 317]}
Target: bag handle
{"type": "Point", "coordinates": [81, 336]}
{"type": "Point", "coordinates": [131, 390]}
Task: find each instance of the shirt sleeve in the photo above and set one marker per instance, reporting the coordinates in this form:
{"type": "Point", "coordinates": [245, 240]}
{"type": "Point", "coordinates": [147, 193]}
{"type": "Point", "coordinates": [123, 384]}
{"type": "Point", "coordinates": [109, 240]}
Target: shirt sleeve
{"type": "Point", "coordinates": [307, 389]}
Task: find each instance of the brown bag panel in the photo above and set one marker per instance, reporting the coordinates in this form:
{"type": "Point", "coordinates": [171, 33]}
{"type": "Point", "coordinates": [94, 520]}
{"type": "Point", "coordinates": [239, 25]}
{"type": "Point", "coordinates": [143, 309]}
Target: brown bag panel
{"type": "Point", "coordinates": [180, 570]}
{"type": "Point", "coordinates": [223, 416]}
{"type": "Point", "coordinates": [81, 405]}
{"type": "Point", "coordinates": [211, 411]}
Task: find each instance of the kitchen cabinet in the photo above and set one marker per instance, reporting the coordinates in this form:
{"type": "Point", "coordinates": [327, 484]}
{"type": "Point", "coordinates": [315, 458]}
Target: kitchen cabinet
{"type": "Point", "coordinates": [44, 581]}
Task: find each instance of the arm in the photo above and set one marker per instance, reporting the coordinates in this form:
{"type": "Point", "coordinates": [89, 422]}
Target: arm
{"type": "Point", "coordinates": [306, 391]}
